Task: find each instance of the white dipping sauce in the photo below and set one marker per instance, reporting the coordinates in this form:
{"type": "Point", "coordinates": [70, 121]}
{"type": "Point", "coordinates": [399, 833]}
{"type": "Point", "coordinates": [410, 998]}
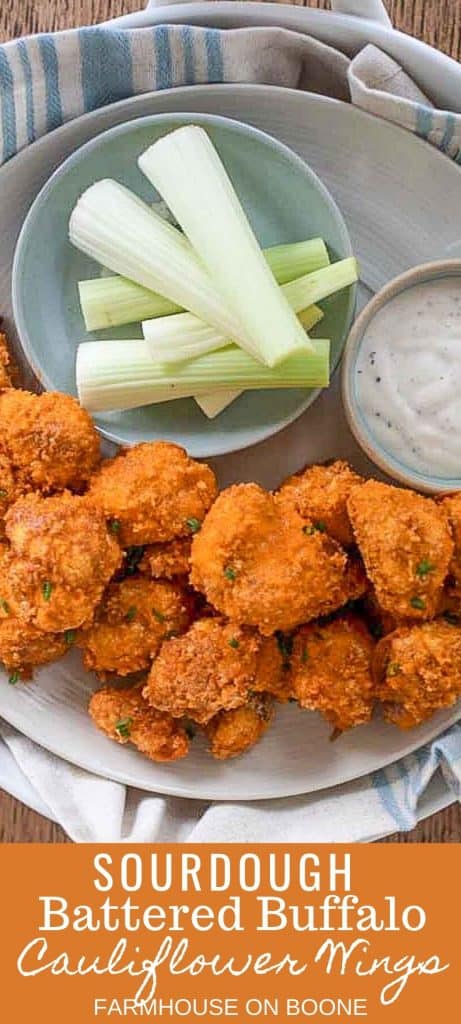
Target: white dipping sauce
{"type": "Point", "coordinates": [408, 377]}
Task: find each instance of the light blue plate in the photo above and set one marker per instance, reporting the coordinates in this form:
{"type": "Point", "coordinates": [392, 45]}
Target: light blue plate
{"type": "Point", "coordinates": [285, 202]}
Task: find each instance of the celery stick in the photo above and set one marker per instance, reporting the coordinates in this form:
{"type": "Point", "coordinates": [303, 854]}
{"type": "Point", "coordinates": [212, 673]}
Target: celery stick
{"type": "Point", "coordinates": [215, 402]}
{"type": "Point", "coordinates": [182, 336]}
{"type": "Point", "coordinates": [188, 173]}
{"type": "Point", "coordinates": [288, 262]}
{"type": "Point", "coordinates": [117, 229]}
{"type": "Point", "coordinates": [122, 374]}
{"type": "Point", "coordinates": [317, 286]}
{"type": "Point", "coordinates": [113, 301]}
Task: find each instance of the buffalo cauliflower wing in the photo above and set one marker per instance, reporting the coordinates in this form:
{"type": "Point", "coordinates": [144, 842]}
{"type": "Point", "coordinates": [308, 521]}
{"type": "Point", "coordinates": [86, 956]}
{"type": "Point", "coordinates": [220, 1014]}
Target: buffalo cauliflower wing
{"type": "Point", "coordinates": [125, 717]}
{"type": "Point", "coordinates": [406, 545]}
{"type": "Point", "coordinates": [134, 618]}
{"type": "Point", "coordinates": [262, 565]}
{"type": "Point", "coordinates": [153, 493]}
{"type": "Point", "coordinates": [51, 442]}
{"type": "Point", "coordinates": [330, 670]}
{"type": "Point", "coordinates": [232, 733]}
{"type": "Point", "coordinates": [60, 562]}
{"type": "Point", "coordinates": [319, 494]}
{"type": "Point", "coordinates": [417, 671]}
{"type": "Point", "coordinates": [212, 668]}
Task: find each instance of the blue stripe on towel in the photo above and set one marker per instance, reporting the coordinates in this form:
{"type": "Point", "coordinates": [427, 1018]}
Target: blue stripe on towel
{"type": "Point", "coordinates": [50, 64]}
{"type": "Point", "coordinates": [163, 61]}
{"type": "Point", "coordinates": [448, 133]}
{"type": "Point", "coordinates": [107, 66]}
{"type": "Point", "coordinates": [384, 789]}
{"type": "Point", "coordinates": [7, 106]}
{"type": "Point", "coordinates": [214, 55]}
{"type": "Point", "coordinates": [189, 62]}
{"type": "Point", "coordinates": [27, 72]}
{"type": "Point", "coordinates": [423, 120]}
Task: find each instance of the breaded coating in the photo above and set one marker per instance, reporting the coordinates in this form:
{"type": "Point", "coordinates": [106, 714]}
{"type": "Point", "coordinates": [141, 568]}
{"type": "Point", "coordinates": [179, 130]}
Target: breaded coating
{"type": "Point", "coordinates": [7, 368]}
{"type": "Point", "coordinates": [153, 493]}
{"type": "Point", "coordinates": [61, 560]}
{"type": "Point", "coordinates": [212, 668]}
{"type": "Point", "coordinates": [273, 675]}
{"type": "Point", "coordinates": [319, 494]}
{"type": "Point", "coordinates": [23, 648]}
{"type": "Point", "coordinates": [132, 622]}
{"type": "Point", "coordinates": [452, 506]}
{"type": "Point", "coordinates": [261, 565]}
{"type": "Point", "coordinates": [165, 561]}
{"type": "Point", "coordinates": [406, 544]}
{"type": "Point", "coordinates": [8, 490]}
{"type": "Point", "coordinates": [331, 670]}
{"type": "Point", "coordinates": [232, 733]}
{"type": "Point", "coordinates": [51, 441]}
{"type": "Point", "coordinates": [125, 717]}
{"type": "Point", "coordinates": [417, 671]}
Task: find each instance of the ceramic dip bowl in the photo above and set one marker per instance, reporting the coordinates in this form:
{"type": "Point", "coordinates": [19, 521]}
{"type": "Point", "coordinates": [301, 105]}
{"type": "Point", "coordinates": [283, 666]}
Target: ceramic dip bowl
{"type": "Point", "coordinates": [401, 378]}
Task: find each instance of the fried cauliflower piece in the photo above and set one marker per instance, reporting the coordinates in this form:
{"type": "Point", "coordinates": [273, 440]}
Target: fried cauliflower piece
{"type": "Point", "coordinates": [8, 491]}
{"type": "Point", "coordinates": [261, 565]}
{"type": "Point", "coordinates": [7, 368]}
{"type": "Point", "coordinates": [125, 717]}
{"type": "Point", "coordinates": [51, 441]}
{"type": "Point", "coordinates": [417, 671]}
{"type": "Point", "coordinates": [61, 560]}
{"type": "Point", "coordinates": [23, 648]}
{"type": "Point", "coordinates": [331, 670]}
{"type": "Point", "coordinates": [212, 668]}
{"type": "Point", "coordinates": [153, 493]}
{"type": "Point", "coordinates": [319, 494]}
{"type": "Point", "coordinates": [452, 507]}
{"type": "Point", "coordinates": [132, 622]}
{"type": "Point", "coordinates": [406, 545]}
{"type": "Point", "coordinates": [166, 561]}
{"type": "Point", "coordinates": [232, 733]}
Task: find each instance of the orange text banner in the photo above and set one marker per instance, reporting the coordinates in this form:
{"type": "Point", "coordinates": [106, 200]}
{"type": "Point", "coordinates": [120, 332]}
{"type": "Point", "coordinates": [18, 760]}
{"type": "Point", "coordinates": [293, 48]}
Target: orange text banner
{"type": "Point", "coordinates": [194, 933]}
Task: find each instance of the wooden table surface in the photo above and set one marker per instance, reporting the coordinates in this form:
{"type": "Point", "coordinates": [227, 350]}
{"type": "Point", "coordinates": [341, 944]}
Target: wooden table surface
{"type": "Point", "coordinates": [437, 22]}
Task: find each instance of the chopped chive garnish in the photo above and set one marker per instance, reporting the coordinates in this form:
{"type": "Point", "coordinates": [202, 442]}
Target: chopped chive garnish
{"type": "Point", "coordinates": [393, 669]}
{"type": "Point", "coordinates": [47, 590]}
{"type": "Point", "coordinates": [233, 642]}
{"type": "Point", "coordinates": [194, 525]}
{"type": "Point", "coordinates": [123, 727]}
{"type": "Point", "coordinates": [230, 573]}
{"type": "Point", "coordinates": [424, 567]}
{"type": "Point", "coordinates": [70, 636]}
{"type": "Point", "coordinates": [318, 526]}
{"type": "Point", "coordinates": [4, 606]}
{"type": "Point", "coordinates": [131, 614]}
{"type": "Point", "coordinates": [114, 525]}
{"type": "Point", "coordinates": [158, 615]}
{"type": "Point", "coordinates": [418, 602]}
{"type": "Point", "coordinates": [3, 494]}
{"type": "Point", "coordinates": [13, 678]}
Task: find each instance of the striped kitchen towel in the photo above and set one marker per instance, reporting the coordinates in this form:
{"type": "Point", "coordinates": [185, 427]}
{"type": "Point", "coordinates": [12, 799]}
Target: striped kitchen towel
{"type": "Point", "coordinates": [46, 80]}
